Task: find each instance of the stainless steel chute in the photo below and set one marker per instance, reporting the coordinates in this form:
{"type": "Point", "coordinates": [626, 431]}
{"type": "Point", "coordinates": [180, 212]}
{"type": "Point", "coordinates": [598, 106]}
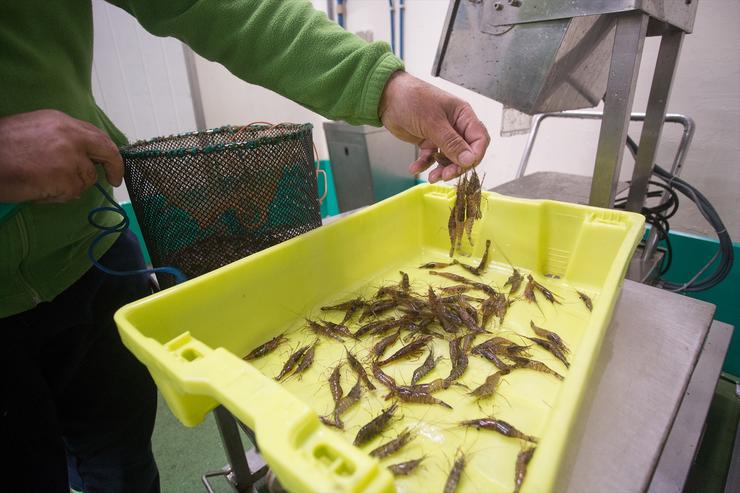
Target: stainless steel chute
{"type": "Point", "coordinates": [540, 56]}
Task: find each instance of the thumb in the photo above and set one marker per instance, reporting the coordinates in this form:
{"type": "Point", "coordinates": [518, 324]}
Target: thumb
{"type": "Point", "coordinates": [452, 144]}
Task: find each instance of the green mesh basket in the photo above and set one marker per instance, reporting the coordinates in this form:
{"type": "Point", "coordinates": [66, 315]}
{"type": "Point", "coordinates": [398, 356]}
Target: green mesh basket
{"type": "Point", "coordinates": [205, 199]}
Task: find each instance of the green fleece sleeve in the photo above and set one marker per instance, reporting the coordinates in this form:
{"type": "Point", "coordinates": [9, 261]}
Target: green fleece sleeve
{"type": "Point", "coordinates": [284, 45]}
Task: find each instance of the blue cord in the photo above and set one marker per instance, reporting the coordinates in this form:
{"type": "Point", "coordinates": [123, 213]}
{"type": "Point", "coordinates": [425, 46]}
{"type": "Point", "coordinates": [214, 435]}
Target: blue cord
{"type": "Point", "coordinates": [393, 25]}
{"type": "Point", "coordinates": [401, 22]}
{"type": "Point", "coordinates": [120, 228]}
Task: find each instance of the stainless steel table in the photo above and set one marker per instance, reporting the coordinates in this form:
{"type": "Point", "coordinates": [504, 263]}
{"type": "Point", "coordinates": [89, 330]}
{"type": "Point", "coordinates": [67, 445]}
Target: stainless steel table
{"type": "Point", "coordinates": [644, 412]}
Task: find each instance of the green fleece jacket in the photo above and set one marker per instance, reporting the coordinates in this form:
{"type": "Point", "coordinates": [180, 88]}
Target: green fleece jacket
{"type": "Point", "coordinates": [46, 61]}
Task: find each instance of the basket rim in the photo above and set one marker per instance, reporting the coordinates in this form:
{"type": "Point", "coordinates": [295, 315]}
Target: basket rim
{"type": "Point", "coordinates": [297, 131]}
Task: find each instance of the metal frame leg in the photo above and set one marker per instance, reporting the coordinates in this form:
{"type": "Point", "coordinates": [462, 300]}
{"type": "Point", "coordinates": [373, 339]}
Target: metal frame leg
{"type": "Point", "coordinates": [665, 69]}
{"type": "Point", "coordinates": [629, 39]}
{"type": "Point", "coordinates": [238, 473]}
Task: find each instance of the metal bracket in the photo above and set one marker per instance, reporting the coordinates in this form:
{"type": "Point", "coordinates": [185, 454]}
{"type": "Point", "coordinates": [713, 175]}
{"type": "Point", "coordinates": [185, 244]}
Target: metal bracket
{"type": "Point", "coordinates": [497, 13]}
{"type": "Point", "coordinates": [238, 472]}
{"type": "Point", "coordinates": [687, 122]}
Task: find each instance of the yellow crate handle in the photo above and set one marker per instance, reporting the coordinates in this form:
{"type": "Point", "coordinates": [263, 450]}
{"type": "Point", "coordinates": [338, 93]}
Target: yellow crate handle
{"type": "Point", "coordinates": [306, 455]}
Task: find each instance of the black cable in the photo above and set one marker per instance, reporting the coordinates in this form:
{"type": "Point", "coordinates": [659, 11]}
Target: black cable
{"type": "Point", "coordinates": [657, 216]}
{"type": "Point", "coordinates": [725, 252]}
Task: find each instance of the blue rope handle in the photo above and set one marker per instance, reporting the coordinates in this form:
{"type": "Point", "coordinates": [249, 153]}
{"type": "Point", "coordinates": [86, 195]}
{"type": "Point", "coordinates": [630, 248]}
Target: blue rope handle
{"type": "Point", "coordinates": [120, 228]}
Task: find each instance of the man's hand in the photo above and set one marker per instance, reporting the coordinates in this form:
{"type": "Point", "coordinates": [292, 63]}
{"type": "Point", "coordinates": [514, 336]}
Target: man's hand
{"type": "Point", "coordinates": [444, 127]}
{"type": "Point", "coordinates": [48, 156]}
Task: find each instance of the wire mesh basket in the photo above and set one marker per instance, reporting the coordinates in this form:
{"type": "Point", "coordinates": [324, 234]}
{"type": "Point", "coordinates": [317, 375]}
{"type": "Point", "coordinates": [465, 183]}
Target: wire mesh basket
{"type": "Point", "coordinates": [205, 199]}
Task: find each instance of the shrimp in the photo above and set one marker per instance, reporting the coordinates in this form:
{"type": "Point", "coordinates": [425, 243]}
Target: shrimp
{"type": "Point", "coordinates": [307, 359]}
{"type": "Point", "coordinates": [425, 367]}
{"type": "Point", "coordinates": [392, 446]}
{"type": "Point", "coordinates": [550, 336]}
{"type": "Point", "coordinates": [522, 460]}
{"type": "Point", "coordinates": [405, 284]}
{"type": "Point", "coordinates": [373, 325]}
{"type": "Point", "coordinates": [348, 307]}
{"type": "Point", "coordinates": [497, 305]}
{"type": "Point", "coordinates": [586, 300]}
{"type": "Point", "coordinates": [405, 468]}
{"type": "Point", "coordinates": [338, 328]}
{"type": "Point", "coordinates": [412, 348]}
{"type": "Point", "coordinates": [498, 426]}
{"type": "Point", "coordinates": [491, 356]}
{"type": "Point", "coordinates": [472, 204]}
{"type": "Point", "coordinates": [467, 319]}
{"type": "Point", "coordinates": [452, 229]}
{"type": "Point", "coordinates": [467, 342]}
{"type": "Point", "coordinates": [291, 363]}
{"type": "Point", "coordinates": [416, 397]}
{"type": "Point", "coordinates": [456, 289]}
{"type": "Point", "coordinates": [375, 426]}
{"type": "Point", "coordinates": [455, 473]}
{"type": "Point", "coordinates": [515, 281]}
{"type": "Point", "coordinates": [468, 268]}
{"type": "Point", "coordinates": [460, 209]}
{"type": "Point", "coordinates": [383, 378]}
{"type": "Point", "coordinates": [425, 388]}
{"type": "Point", "coordinates": [483, 265]}
{"type": "Point", "coordinates": [390, 324]}
{"type": "Point", "coordinates": [459, 361]}
{"type": "Point", "coordinates": [530, 364]}
{"type": "Point", "coordinates": [355, 364]}
{"type": "Point", "coordinates": [335, 384]}
{"type": "Point", "coordinates": [436, 265]}
{"type": "Point", "coordinates": [549, 295]}
{"type": "Point", "coordinates": [384, 343]}
{"type": "Point", "coordinates": [346, 402]}
{"type": "Point", "coordinates": [529, 291]}
{"type": "Point", "coordinates": [488, 387]}
{"type": "Point", "coordinates": [265, 348]}
{"type": "Point", "coordinates": [464, 280]}
{"type": "Point", "coordinates": [552, 348]}
{"type": "Point", "coordinates": [323, 330]}
{"type": "Point", "coordinates": [439, 312]}
{"type": "Point", "coordinates": [377, 307]}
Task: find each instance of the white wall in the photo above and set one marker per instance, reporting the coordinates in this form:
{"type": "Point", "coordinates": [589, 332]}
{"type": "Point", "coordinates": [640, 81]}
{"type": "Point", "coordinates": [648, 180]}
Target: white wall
{"type": "Point", "coordinates": [707, 87]}
{"type": "Point", "coordinates": [139, 80]}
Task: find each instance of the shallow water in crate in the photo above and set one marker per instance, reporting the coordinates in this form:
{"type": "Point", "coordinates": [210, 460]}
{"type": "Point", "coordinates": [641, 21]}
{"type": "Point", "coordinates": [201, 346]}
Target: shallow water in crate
{"type": "Point", "coordinates": [524, 397]}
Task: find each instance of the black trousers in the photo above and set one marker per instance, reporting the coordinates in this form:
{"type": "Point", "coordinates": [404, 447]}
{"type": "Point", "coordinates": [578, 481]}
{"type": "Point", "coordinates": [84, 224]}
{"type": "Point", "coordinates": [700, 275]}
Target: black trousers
{"type": "Point", "coordinates": [71, 392]}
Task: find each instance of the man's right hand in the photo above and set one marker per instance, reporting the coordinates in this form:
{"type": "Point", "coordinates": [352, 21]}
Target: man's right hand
{"type": "Point", "coordinates": [48, 156]}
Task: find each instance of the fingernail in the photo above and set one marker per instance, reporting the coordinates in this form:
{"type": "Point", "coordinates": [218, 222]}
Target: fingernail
{"type": "Point", "coordinates": [467, 158]}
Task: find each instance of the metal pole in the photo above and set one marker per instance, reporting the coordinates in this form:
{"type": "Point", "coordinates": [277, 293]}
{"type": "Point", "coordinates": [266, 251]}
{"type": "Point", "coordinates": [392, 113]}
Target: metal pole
{"type": "Point", "coordinates": [195, 94]}
{"type": "Point", "coordinates": [665, 69]}
{"type": "Point", "coordinates": [240, 476]}
{"type": "Point", "coordinates": [620, 90]}
{"type": "Point", "coordinates": [536, 120]}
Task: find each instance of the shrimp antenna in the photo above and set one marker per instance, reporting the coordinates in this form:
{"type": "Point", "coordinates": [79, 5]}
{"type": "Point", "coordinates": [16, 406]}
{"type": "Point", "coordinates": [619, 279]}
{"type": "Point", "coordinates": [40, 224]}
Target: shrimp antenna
{"type": "Point", "coordinates": [502, 253]}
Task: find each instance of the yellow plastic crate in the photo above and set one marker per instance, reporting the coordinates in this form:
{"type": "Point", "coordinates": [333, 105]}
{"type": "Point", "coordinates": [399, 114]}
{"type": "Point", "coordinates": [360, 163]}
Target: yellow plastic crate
{"type": "Point", "coordinates": [191, 337]}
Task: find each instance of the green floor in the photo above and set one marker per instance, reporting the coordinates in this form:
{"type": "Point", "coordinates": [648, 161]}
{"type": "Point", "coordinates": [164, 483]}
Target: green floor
{"type": "Point", "coordinates": [184, 454]}
{"type": "Point", "coordinates": [713, 459]}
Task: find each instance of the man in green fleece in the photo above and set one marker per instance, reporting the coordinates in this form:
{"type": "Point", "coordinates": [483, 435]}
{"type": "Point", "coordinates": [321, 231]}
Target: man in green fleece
{"type": "Point", "coordinates": [72, 395]}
